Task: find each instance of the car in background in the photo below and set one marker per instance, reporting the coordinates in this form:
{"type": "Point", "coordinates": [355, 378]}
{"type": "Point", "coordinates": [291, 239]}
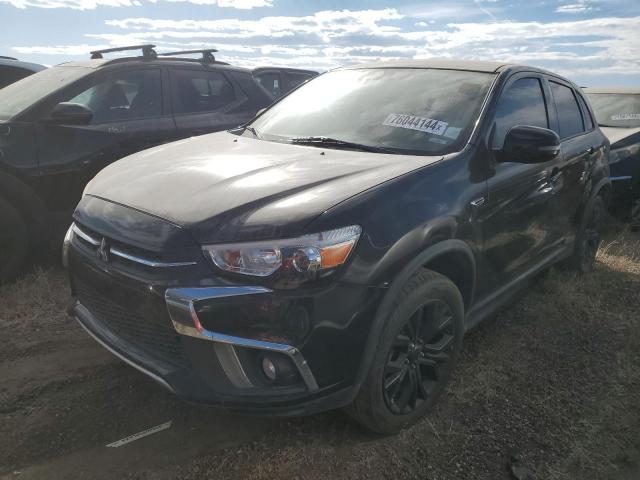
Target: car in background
{"type": "Point", "coordinates": [278, 81]}
{"type": "Point", "coordinates": [617, 111]}
{"type": "Point", "coordinates": [333, 251]}
{"type": "Point", "coordinates": [61, 126]}
{"type": "Point", "coordinates": [12, 70]}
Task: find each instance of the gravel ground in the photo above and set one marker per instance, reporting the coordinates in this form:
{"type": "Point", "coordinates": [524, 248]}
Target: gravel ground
{"type": "Point", "coordinates": [548, 389]}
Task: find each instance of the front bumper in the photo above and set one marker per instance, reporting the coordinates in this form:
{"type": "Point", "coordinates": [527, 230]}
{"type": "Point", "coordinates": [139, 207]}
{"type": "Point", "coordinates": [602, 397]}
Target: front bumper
{"type": "Point", "coordinates": [205, 343]}
{"type": "Point", "coordinates": [189, 385]}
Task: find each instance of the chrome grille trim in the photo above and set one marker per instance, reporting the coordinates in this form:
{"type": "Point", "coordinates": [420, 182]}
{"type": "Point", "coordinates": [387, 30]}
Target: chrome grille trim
{"type": "Point", "coordinates": [127, 256]}
{"type": "Point", "coordinates": [149, 263]}
{"type": "Point", "coordinates": [86, 237]}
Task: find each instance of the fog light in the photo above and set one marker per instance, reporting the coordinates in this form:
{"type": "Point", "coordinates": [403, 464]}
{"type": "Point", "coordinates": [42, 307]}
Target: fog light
{"type": "Point", "coordinates": [269, 369]}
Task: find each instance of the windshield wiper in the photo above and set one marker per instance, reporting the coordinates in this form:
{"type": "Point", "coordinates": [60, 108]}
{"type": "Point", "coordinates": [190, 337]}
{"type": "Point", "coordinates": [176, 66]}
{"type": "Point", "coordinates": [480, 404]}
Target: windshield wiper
{"type": "Point", "coordinates": [252, 130]}
{"type": "Point", "coordinates": [334, 142]}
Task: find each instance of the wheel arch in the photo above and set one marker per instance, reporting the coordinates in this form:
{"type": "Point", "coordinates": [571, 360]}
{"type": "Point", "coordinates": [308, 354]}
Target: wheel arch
{"type": "Point", "coordinates": [452, 258]}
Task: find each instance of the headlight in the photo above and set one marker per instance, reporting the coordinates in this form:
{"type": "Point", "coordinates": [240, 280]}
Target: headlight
{"type": "Point", "coordinates": [66, 244]}
{"type": "Point", "coordinates": [303, 255]}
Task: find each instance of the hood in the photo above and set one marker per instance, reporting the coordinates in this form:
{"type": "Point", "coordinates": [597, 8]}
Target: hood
{"type": "Point", "coordinates": [225, 187]}
{"type": "Point", "coordinates": [615, 134]}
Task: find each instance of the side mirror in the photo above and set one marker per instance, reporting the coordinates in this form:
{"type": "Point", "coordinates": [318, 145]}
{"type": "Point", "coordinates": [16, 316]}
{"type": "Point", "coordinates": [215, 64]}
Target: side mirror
{"type": "Point", "coordinates": [527, 144]}
{"type": "Point", "coordinates": [71, 113]}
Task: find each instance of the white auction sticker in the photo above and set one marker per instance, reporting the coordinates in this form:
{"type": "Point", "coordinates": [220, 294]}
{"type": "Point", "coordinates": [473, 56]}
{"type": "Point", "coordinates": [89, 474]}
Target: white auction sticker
{"type": "Point", "coordinates": [452, 132]}
{"type": "Point", "coordinates": [413, 122]}
{"type": "Point", "coordinates": [626, 116]}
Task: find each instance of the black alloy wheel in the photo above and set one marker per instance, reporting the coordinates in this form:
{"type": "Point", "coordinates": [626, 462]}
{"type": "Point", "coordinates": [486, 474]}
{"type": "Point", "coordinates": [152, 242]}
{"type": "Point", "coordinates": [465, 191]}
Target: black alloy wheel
{"type": "Point", "coordinates": [415, 354]}
{"type": "Point", "coordinates": [419, 358]}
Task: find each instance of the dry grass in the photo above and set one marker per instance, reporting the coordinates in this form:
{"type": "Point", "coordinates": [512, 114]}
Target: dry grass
{"type": "Point", "coordinates": [551, 385]}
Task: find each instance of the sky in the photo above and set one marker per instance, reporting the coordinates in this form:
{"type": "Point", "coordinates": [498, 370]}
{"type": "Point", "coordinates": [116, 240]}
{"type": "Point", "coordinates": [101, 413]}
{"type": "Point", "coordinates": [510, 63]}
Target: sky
{"type": "Point", "coordinates": [593, 42]}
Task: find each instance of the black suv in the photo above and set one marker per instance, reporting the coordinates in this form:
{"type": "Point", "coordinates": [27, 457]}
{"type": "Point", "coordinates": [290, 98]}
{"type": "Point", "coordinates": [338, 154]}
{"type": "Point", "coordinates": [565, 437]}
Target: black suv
{"type": "Point", "coordinates": [12, 70]}
{"type": "Point", "coordinates": [279, 80]}
{"type": "Point", "coordinates": [335, 250]}
{"type": "Point", "coordinates": [58, 128]}
{"type": "Point", "coordinates": [617, 112]}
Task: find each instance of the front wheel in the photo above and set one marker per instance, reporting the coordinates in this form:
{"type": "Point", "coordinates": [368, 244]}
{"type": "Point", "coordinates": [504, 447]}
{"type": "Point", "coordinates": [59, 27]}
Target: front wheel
{"type": "Point", "coordinates": [416, 353]}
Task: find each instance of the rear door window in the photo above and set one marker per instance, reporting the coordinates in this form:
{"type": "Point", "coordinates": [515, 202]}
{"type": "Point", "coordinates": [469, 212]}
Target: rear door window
{"type": "Point", "coordinates": [198, 91]}
{"type": "Point", "coordinates": [123, 96]}
{"type": "Point", "coordinates": [522, 103]}
{"type": "Point", "coordinates": [569, 117]}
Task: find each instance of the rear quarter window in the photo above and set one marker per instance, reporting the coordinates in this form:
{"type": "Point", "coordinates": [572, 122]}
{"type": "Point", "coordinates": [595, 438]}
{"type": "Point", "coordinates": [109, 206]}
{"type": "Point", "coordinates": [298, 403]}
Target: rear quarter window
{"type": "Point", "coordinates": [588, 121]}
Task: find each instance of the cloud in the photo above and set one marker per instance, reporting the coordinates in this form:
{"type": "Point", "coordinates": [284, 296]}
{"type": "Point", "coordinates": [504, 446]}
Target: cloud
{"type": "Point", "coordinates": [574, 8]}
{"type": "Point", "coordinates": [93, 4]}
{"type": "Point", "coordinates": [326, 39]}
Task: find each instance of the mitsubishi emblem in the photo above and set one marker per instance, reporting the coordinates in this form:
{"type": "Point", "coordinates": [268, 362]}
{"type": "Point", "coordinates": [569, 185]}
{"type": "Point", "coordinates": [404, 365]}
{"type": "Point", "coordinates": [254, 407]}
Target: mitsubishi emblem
{"type": "Point", "coordinates": [103, 251]}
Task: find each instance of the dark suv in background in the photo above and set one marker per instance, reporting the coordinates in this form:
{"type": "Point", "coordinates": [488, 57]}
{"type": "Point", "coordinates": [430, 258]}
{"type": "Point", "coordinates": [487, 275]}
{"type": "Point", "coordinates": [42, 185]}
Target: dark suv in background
{"type": "Point", "coordinates": [334, 251]}
{"type": "Point", "coordinates": [59, 127]}
{"type": "Point", "coordinates": [617, 112]}
{"type": "Point", "coordinates": [12, 70]}
{"type": "Point", "coordinates": [278, 80]}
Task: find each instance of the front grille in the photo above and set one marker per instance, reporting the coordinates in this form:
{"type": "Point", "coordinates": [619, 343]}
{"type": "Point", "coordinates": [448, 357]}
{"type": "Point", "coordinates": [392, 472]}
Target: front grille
{"type": "Point", "coordinates": [114, 251]}
{"type": "Point", "coordinates": [154, 335]}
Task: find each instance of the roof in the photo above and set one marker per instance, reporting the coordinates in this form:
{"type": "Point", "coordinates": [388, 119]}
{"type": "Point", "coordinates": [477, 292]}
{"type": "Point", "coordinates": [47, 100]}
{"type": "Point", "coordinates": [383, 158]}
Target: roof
{"type": "Point", "coordinates": [104, 62]}
{"type": "Point", "coordinates": [34, 67]}
{"type": "Point", "coordinates": [471, 65]}
{"type": "Point", "coordinates": [623, 90]}
{"type": "Point", "coordinates": [285, 69]}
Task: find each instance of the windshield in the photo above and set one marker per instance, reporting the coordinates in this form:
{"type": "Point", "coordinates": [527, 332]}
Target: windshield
{"type": "Point", "coordinates": [616, 109]}
{"type": "Point", "coordinates": [19, 96]}
{"type": "Point", "coordinates": [415, 111]}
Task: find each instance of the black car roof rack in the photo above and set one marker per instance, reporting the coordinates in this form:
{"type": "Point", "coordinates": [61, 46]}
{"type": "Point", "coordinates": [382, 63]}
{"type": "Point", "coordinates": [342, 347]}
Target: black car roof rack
{"type": "Point", "coordinates": [7, 58]}
{"type": "Point", "coordinates": [147, 51]}
{"type": "Point", "coordinates": [207, 54]}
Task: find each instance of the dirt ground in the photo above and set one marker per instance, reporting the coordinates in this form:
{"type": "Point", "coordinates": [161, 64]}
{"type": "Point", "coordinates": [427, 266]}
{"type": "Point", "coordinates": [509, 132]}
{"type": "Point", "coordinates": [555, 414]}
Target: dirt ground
{"type": "Point", "coordinates": [549, 389]}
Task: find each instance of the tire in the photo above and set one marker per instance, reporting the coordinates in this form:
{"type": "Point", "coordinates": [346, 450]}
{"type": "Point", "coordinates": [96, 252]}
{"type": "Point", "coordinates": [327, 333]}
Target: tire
{"type": "Point", "coordinates": [14, 241]}
{"type": "Point", "coordinates": [433, 304]}
{"type": "Point", "coordinates": [589, 237]}
{"type": "Point", "coordinates": [635, 213]}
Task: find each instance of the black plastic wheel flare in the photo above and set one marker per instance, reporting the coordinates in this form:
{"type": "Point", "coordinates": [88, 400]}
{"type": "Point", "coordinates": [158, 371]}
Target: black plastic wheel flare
{"type": "Point", "coordinates": [592, 236]}
{"type": "Point", "coordinates": [418, 358]}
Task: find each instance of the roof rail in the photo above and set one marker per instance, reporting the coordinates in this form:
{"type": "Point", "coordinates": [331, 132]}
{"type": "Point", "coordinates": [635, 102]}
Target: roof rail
{"type": "Point", "coordinates": [7, 58]}
{"type": "Point", "coordinates": [207, 54]}
{"type": "Point", "coordinates": [147, 51]}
